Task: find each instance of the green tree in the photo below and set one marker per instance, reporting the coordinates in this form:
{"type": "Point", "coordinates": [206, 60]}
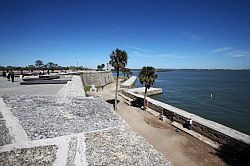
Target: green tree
{"type": "Point", "coordinates": [119, 60]}
{"type": "Point", "coordinates": [100, 67]}
{"type": "Point", "coordinates": [31, 68]}
{"type": "Point", "coordinates": [52, 66]}
{"type": "Point", "coordinates": [147, 78]}
{"type": "Point", "coordinates": [39, 64]}
{"type": "Point", "coordinates": [127, 72]}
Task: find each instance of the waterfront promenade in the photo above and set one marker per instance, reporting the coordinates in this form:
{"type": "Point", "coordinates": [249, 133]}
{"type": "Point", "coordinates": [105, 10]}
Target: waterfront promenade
{"type": "Point", "coordinates": [178, 147]}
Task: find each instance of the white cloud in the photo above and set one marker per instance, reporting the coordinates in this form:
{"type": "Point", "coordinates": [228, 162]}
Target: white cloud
{"type": "Point", "coordinates": [144, 53]}
{"type": "Point", "coordinates": [53, 42]}
{"type": "Point", "coordinates": [237, 53]}
{"type": "Point", "coordinates": [17, 46]}
{"type": "Point", "coordinates": [172, 56]}
{"type": "Point", "coordinates": [232, 52]}
{"type": "Point", "coordinates": [188, 34]}
{"type": "Point", "coordinates": [139, 49]}
{"type": "Point", "coordinates": [139, 54]}
{"type": "Point", "coordinates": [221, 49]}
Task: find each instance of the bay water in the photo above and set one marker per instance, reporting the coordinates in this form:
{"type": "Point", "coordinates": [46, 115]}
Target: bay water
{"type": "Point", "coordinates": [222, 96]}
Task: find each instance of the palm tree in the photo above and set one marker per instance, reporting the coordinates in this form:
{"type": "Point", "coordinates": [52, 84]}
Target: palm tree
{"type": "Point", "coordinates": [129, 72]}
{"type": "Point", "coordinates": [118, 59]}
{"type": "Point", "coordinates": [147, 78]}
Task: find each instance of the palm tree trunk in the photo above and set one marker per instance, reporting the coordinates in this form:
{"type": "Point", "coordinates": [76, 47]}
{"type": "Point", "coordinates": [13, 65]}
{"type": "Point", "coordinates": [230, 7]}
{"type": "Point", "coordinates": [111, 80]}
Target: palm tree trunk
{"type": "Point", "coordinates": [116, 88]}
{"type": "Point", "coordinates": [145, 95]}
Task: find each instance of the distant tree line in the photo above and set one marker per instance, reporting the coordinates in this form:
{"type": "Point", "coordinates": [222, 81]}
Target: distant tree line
{"type": "Point", "coordinates": [39, 65]}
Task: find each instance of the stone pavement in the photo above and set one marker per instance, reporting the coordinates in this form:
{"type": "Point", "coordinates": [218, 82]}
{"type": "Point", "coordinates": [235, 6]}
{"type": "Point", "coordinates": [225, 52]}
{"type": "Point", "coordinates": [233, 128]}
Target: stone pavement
{"type": "Point", "coordinates": [68, 130]}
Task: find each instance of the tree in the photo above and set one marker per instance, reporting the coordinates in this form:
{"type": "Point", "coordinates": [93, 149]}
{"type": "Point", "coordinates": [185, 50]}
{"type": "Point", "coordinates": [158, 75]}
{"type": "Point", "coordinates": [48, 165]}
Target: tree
{"type": "Point", "coordinates": [52, 66]}
{"type": "Point", "coordinates": [147, 78]}
{"type": "Point", "coordinates": [119, 60]}
{"type": "Point", "coordinates": [100, 67]}
{"type": "Point", "coordinates": [2, 68]}
{"type": "Point", "coordinates": [127, 72]}
{"type": "Point", "coordinates": [39, 63]}
{"type": "Point", "coordinates": [31, 67]}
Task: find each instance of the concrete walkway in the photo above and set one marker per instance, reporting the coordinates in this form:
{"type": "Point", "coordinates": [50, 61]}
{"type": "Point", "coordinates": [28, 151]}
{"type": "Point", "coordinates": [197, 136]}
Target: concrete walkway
{"type": "Point", "coordinates": [129, 82]}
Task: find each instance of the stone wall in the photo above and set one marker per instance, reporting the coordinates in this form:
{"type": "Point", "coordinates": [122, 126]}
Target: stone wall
{"type": "Point", "coordinates": [215, 131]}
{"type": "Point", "coordinates": [97, 77]}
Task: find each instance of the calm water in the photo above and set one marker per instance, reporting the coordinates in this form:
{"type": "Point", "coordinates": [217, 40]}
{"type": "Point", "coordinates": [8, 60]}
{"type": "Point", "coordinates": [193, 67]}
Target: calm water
{"type": "Point", "coordinates": [191, 91]}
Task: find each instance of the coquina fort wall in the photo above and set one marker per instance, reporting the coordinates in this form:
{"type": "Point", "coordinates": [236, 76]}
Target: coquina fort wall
{"type": "Point", "coordinates": [97, 77]}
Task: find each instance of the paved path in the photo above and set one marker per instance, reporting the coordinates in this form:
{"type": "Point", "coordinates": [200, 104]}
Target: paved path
{"type": "Point", "coordinates": [14, 88]}
{"type": "Point", "coordinates": [178, 147]}
{"type": "Point", "coordinates": [129, 82]}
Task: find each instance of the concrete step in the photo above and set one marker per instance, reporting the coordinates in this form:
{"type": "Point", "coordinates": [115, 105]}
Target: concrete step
{"type": "Point", "coordinates": [128, 103]}
{"type": "Point", "coordinates": [125, 97]}
{"type": "Point", "coordinates": [196, 135]}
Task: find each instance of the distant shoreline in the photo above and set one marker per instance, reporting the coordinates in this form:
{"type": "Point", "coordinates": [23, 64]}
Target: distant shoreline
{"type": "Point", "coordinates": [166, 70]}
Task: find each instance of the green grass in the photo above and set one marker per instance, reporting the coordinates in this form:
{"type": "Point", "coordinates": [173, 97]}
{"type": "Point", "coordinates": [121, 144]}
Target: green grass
{"type": "Point", "coordinates": [87, 88]}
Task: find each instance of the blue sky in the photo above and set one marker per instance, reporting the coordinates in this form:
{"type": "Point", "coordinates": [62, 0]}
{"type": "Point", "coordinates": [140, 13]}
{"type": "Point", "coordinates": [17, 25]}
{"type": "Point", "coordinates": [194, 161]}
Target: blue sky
{"type": "Point", "coordinates": [163, 34]}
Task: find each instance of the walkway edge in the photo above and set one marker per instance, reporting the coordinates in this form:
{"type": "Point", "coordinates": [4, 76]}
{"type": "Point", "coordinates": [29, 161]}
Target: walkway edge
{"type": "Point", "coordinates": [16, 131]}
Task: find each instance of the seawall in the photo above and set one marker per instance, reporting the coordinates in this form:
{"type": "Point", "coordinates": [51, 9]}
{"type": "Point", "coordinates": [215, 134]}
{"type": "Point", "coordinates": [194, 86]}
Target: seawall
{"type": "Point", "coordinates": [225, 136]}
{"type": "Point", "coordinates": [97, 77]}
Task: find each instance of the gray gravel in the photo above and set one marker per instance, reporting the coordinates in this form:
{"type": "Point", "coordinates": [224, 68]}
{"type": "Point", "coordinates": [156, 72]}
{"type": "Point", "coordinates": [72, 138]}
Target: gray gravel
{"type": "Point", "coordinates": [29, 156]}
{"type": "Point", "coordinates": [121, 147]}
{"type": "Point", "coordinates": [4, 132]}
{"type": "Point", "coordinates": [50, 116]}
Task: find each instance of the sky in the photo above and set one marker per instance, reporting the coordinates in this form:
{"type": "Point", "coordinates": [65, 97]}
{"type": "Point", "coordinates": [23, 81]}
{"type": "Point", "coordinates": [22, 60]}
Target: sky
{"type": "Point", "coordinates": [163, 34]}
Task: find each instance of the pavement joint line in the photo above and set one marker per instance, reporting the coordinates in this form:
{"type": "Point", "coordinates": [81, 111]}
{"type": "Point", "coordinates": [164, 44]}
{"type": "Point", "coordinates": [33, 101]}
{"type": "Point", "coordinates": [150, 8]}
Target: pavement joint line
{"type": "Point", "coordinates": [62, 151]}
{"type": "Point", "coordinates": [16, 131]}
{"type": "Point", "coordinates": [80, 158]}
{"type": "Point", "coordinates": [106, 129]}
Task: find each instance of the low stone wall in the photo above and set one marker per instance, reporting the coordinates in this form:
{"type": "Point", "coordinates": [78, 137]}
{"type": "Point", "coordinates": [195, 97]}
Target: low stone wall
{"type": "Point", "coordinates": [129, 82]}
{"type": "Point", "coordinates": [97, 77]}
{"type": "Point", "coordinates": [215, 131]}
{"type": "Point", "coordinates": [152, 91]}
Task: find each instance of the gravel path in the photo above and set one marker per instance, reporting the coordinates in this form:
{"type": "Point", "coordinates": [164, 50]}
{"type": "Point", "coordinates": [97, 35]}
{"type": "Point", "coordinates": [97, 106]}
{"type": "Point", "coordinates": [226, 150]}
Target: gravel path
{"type": "Point", "coordinates": [50, 116]}
{"type": "Point", "coordinates": [121, 147]}
{"type": "Point", "coordinates": [29, 156]}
